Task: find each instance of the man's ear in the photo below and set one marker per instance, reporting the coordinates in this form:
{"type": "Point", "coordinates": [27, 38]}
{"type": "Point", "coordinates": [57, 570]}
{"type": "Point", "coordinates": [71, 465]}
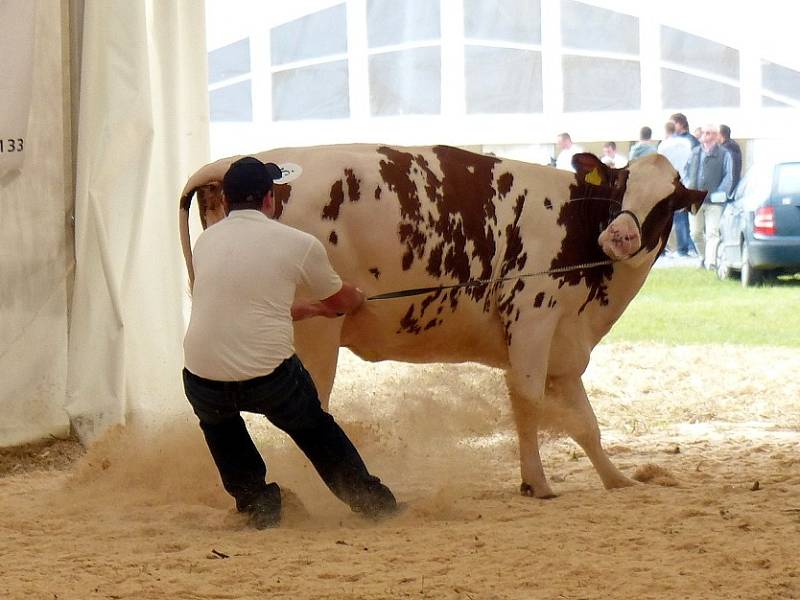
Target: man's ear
{"type": "Point", "coordinates": [589, 169]}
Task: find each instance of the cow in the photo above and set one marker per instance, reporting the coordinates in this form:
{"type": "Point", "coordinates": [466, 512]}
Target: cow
{"type": "Point", "coordinates": [521, 267]}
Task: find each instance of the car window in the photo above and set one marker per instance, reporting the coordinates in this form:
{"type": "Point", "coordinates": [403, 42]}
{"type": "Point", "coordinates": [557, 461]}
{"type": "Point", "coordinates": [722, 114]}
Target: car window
{"type": "Point", "coordinates": [788, 183]}
{"type": "Point", "coordinates": [759, 186]}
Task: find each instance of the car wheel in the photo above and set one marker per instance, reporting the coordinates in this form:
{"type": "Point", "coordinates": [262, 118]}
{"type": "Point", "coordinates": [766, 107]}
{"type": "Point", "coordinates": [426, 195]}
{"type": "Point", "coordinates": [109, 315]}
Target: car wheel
{"type": "Point", "coordinates": [750, 275]}
{"type": "Point", "coordinates": [723, 270]}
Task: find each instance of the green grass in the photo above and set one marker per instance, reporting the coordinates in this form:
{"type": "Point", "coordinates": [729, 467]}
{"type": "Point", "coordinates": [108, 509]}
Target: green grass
{"type": "Point", "coordinates": [680, 306]}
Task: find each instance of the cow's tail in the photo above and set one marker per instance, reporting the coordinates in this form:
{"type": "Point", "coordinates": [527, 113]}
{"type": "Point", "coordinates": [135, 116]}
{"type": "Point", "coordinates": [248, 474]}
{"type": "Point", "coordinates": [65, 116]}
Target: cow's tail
{"type": "Point", "coordinates": [183, 226]}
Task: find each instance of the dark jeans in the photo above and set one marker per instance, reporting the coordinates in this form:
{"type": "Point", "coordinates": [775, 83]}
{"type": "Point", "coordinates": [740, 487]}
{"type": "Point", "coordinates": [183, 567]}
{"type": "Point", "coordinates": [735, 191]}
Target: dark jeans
{"type": "Point", "coordinates": [680, 221]}
{"type": "Point", "coordinates": [288, 398]}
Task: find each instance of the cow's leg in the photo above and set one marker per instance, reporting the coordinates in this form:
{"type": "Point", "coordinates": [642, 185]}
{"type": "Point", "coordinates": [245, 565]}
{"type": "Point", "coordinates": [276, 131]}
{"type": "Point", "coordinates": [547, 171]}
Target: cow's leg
{"type": "Point", "coordinates": [526, 383]}
{"type": "Point", "coordinates": [534, 481]}
{"type": "Point", "coordinates": [317, 343]}
{"type": "Point", "coordinates": [570, 406]}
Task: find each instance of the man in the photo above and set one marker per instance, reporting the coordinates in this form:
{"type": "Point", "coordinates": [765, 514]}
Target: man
{"type": "Point", "coordinates": [567, 151]}
{"type": "Point", "coordinates": [644, 146]}
{"type": "Point", "coordinates": [612, 158]}
{"type": "Point", "coordinates": [736, 154]}
{"type": "Point", "coordinates": [710, 169]}
{"type": "Point", "coordinates": [678, 150]}
{"type": "Point", "coordinates": [239, 349]}
{"type": "Point", "coordinates": [682, 128]}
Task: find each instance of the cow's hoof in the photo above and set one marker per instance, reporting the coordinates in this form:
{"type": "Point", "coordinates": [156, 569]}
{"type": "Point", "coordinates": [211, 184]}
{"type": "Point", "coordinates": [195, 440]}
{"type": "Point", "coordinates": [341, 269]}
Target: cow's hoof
{"type": "Point", "coordinates": [526, 489]}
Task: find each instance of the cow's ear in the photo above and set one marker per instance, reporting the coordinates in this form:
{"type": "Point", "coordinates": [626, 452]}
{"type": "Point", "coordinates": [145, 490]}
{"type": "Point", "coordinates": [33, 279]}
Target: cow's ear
{"type": "Point", "coordinates": [689, 199]}
{"type": "Point", "coordinates": [589, 169]}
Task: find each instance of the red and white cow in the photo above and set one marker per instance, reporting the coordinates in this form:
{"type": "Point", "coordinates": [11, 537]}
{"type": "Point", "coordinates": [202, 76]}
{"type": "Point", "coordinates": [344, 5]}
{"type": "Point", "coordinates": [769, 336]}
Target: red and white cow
{"type": "Point", "coordinates": [394, 218]}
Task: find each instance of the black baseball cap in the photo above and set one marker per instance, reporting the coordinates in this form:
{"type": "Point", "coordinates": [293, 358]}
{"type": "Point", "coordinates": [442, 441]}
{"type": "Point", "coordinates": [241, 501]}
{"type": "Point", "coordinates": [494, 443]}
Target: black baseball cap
{"type": "Point", "coordinates": [248, 179]}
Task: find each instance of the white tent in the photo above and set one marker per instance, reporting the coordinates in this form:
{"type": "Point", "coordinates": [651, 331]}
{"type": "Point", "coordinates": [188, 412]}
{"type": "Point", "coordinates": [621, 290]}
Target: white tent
{"type": "Point", "coordinates": [118, 117]}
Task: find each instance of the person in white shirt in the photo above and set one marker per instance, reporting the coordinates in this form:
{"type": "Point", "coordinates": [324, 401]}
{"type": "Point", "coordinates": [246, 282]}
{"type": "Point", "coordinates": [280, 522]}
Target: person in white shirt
{"type": "Point", "coordinates": [612, 158]}
{"type": "Point", "coordinates": [239, 349]}
{"type": "Point", "coordinates": [566, 151]}
{"type": "Point", "coordinates": [678, 149]}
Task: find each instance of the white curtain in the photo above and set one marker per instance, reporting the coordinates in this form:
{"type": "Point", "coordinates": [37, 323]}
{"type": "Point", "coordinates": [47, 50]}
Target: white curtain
{"type": "Point", "coordinates": [35, 239]}
{"type": "Point", "coordinates": [143, 129]}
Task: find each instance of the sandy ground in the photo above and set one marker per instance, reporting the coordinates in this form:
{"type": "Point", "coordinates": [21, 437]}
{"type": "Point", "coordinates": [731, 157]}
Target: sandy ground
{"type": "Point", "coordinates": [715, 429]}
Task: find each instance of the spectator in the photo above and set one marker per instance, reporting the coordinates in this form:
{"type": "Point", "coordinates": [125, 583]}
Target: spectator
{"type": "Point", "coordinates": [711, 170]}
{"type": "Point", "coordinates": [611, 157]}
{"type": "Point", "coordinates": [736, 154]}
{"type": "Point", "coordinates": [678, 149]}
{"type": "Point", "coordinates": [567, 151]}
{"type": "Point", "coordinates": [682, 128]}
{"type": "Point", "coordinates": [644, 146]}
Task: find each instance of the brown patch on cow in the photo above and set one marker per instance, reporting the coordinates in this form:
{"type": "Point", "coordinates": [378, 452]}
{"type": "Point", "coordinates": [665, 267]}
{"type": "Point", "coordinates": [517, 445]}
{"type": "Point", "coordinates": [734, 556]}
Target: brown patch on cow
{"type": "Point", "coordinates": [431, 324]}
{"type": "Point", "coordinates": [552, 302]}
{"type": "Point", "coordinates": [353, 186]}
{"type": "Point", "coordinates": [333, 238]}
{"type": "Point", "coordinates": [428, 301]}
{"type": "Point", "coordinates": [408, 323]}
{"type": "Point", "coordinates": [378, 193]}
{"type": "Point", "coordinates": [514, 257]}
{"type": "Point", "coordinates": [331, 210]}
{"type": "Point", "coordinates": [464, 199]}
{"type": "Point", "coordinates": [504, 184]}
{"type": "Point", "coordinates": [505, 301]}
{"type": "Point", "coordinates": [589, 211]}
{"type": "Point", "coordinates": [210, 203]}
{"type": "Point", "coordinates": [539, 300]}
{"type": "Point", "coordinates": [280, 196]}
{"type": "Point", "coordinates": [376, 272]}
{"type": "Point", "coordinates": [548, 204]}
{"type": "Point", "coordinates": [658, 223]}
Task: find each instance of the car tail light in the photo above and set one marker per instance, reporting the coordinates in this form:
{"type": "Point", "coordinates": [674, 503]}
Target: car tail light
{"type": "Point", "coordinates": [764, 222]}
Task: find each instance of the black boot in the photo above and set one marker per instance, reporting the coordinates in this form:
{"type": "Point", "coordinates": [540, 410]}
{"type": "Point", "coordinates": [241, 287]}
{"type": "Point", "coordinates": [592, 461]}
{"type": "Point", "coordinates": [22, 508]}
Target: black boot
{"type": "Point", "coordinates": [263, 508]}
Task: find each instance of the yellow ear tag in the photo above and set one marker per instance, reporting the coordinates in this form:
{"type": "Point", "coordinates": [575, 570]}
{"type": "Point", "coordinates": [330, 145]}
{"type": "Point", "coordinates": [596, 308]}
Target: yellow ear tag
{"type": "Point", "coordinates": [594, 177]}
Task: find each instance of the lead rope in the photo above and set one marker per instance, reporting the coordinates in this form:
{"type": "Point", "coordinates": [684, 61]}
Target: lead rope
{"type": "Point", "coordinates": [477, 282]}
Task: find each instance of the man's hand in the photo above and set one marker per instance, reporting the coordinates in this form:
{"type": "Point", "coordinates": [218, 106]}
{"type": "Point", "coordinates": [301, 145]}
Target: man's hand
{"type": "Point", "coordinates": [347, 300]}
{"type": "Point", "coordinates": [305, 309]}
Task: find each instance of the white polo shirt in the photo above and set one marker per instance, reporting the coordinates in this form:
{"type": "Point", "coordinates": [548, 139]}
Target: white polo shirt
{"type": "Point", "coordinates": [247, 268]}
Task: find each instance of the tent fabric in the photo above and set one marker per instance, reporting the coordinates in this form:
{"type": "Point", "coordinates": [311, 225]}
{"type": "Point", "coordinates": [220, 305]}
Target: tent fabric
{"type": "Point", "coordinates": [36, 253]}
{"type": "Point", "coordinates": [16, 62]}
{"type": "Point", "coordinates": [143, 128]}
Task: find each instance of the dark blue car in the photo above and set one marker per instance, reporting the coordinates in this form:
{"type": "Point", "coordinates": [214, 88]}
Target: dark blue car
{"type": "Point", "coordinates": [760, 227]}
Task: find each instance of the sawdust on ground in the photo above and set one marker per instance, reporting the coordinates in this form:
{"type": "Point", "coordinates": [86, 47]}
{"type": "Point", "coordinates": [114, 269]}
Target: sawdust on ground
{"type": "Point", "coordinates": [713, 431]}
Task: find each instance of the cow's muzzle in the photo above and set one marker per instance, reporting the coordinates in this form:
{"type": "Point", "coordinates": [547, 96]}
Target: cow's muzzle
{"type": "Point", "coordinates": [622, 238]}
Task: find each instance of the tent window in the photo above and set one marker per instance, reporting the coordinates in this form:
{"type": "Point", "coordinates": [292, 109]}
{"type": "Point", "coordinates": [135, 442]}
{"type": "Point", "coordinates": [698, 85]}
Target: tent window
{"type": "Point", "coordinates": [595, 84]}
{"type": "Point", "coordinates": [514, 88]}
{"type": "Point", "coordinates": [317, 35]}
{"type": "Point", "coordinates": [590, 28]}
{"type": "Point", "coordinates": [690, 91]}
{"type": "Point", "coordinates": [229, 61]}
{"type": "Point", "coordinates": [688, 50]}
{"type": "Point", "coordinates": [314, 92]}
{"type": "Point", "coordinates": [391, 22]}
{"type": "Point", "coordinates": [518, 21]}
{"type": "Point", "coordinates": [780, 80]}
{"type": "Point", "coordinates": [231, 103]}
{"type": "Point", "coordinates": [407, 82]}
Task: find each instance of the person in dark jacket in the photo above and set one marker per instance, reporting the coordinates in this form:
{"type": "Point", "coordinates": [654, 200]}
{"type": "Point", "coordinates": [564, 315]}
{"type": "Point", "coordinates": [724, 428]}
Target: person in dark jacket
{"type": "Point", "coordinates": [736, 154]}
{"type": "Point", "coordinates": [710, 169]}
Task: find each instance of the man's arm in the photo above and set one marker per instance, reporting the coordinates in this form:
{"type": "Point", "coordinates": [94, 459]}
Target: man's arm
{"type": "Point", "coordinates": [346, 301]}
{"type": "Point", "coordinates": [727, 170]}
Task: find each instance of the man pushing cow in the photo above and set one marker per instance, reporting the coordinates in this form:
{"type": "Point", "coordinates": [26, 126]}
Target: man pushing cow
{"type": "Point", "coordinates": [515, 266]}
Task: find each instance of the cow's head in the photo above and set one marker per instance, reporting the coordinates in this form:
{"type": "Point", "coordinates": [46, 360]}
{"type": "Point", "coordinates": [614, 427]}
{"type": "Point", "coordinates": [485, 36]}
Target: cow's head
{"type": "Point", "coordinates": [644, 196]}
